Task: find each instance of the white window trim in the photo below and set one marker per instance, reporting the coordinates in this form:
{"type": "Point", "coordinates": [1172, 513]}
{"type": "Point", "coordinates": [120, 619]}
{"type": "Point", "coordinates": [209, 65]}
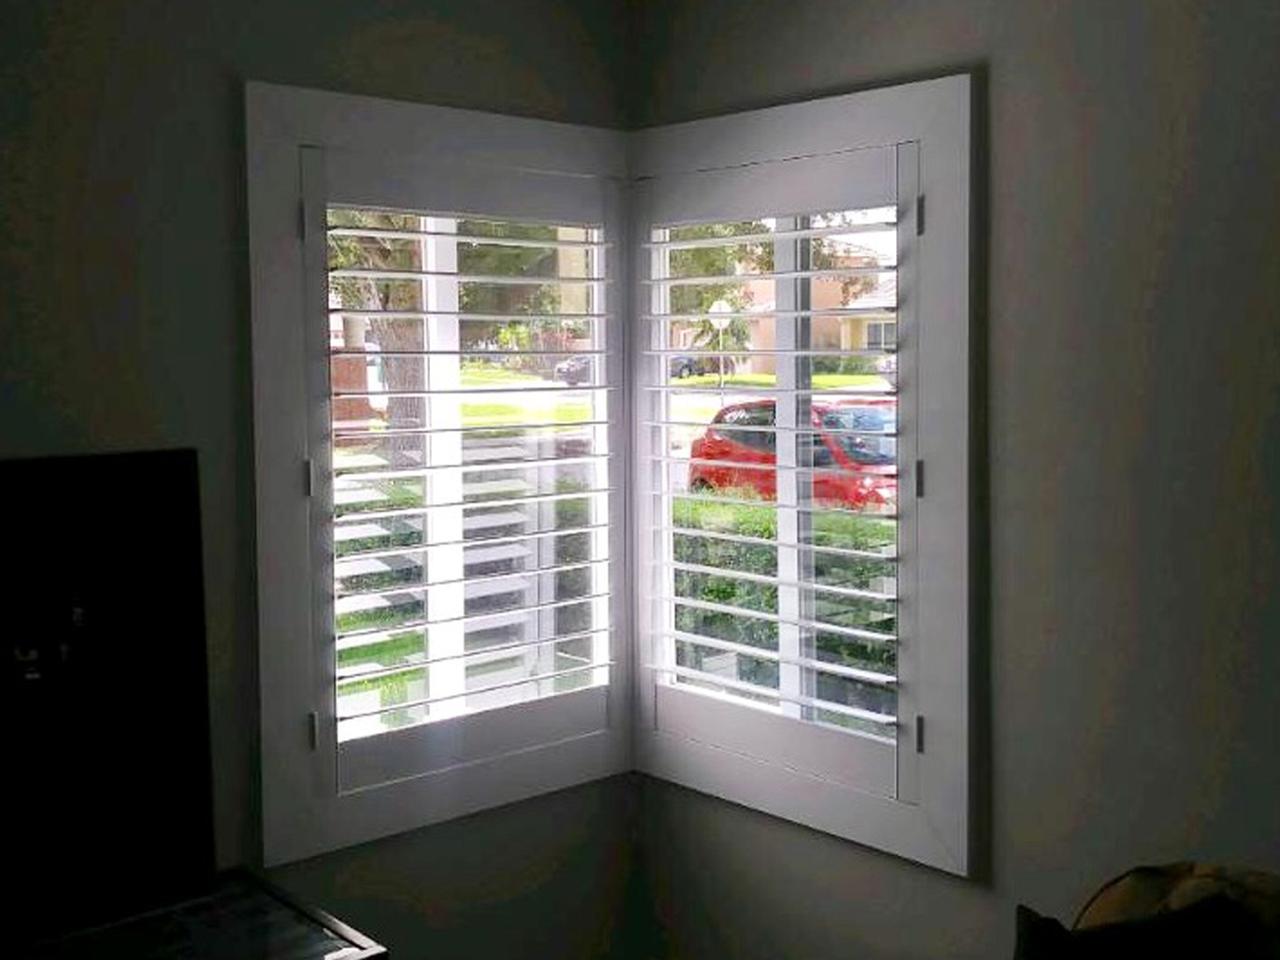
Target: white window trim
{"type": "Point", "coordinates": [288, 129]}
{"type": "Point", "coordinates": [306, 148]}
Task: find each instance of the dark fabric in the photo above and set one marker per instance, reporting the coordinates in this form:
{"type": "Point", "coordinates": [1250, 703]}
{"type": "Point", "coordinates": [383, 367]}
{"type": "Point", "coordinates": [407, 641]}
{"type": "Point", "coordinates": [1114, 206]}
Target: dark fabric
{"type": "Point", "coordinates": [1212, 928]}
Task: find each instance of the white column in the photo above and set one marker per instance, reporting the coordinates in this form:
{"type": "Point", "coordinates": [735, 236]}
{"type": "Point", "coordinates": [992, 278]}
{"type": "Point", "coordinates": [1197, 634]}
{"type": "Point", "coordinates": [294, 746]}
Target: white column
{"type": "Point", "coordinates": [597, 302]}
{"type": "Point", "coordinates": [444, 524]}
{"type": "Point", "coordinates": [790, 333]}
{"type": "Point", "coordinates": [660, 475]}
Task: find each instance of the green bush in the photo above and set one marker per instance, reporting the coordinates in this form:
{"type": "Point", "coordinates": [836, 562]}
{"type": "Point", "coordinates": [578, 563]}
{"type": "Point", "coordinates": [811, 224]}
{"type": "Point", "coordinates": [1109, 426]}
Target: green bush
{"type": "Point", "coordinates": [725, 554]}
{"type": "Point", "coordinates": [853, 363]}
{"type": "Point", "coordinates": [573, 548]}
{"type": "Point", "coordinates": [407, 576]}
{"type": "Point", "coordinates": [744, 520]}
{"type": "Point", "coordinates": [830, 528]}
{"type": "Point", "coordinates": [405, 538]}
{"type": "Point", "coordinates": [852, 652]}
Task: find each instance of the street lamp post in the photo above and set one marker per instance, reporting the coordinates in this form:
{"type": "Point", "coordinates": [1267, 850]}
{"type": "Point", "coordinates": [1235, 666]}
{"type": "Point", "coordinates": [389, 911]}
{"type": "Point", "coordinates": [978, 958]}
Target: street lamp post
{"type": "Point", "coordinates": [718, 314]}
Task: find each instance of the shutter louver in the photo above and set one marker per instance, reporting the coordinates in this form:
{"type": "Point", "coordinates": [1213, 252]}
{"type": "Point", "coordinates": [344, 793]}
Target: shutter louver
{"type": "Point", "coordinates": [469, 415]}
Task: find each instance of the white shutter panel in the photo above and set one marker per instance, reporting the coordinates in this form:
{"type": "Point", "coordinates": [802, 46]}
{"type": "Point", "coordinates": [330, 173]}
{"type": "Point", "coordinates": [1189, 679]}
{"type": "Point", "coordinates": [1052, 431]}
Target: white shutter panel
{"type": "Point", "coordinates": [446, 605]}
{"type": "Point", "coordinates": [774, 452]}
{"type": "Point", "coordinates": [803, 351]}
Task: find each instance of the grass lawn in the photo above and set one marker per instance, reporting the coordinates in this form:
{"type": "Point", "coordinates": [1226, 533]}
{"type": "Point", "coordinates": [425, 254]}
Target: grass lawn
{"type": "Point", "coordinates": [501, 414]}
{"type": "Point", "coordinates": [477, 376]}
{"type": "Point", "coordinates": [488, 374]}
{"type": "Point", "coordinates": [834, 528]}
{"type": "Point", "coordinates": [821, 381]}
{"type": "Point", "coordinates": [702, 407]}
{"type": "Point", "coordinates": [387, 653]}
{"type": "Point", "coordinates": [546, 407]}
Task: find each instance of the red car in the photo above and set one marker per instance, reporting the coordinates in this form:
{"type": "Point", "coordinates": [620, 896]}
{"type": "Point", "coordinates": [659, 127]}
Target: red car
{"type": "Point", "coordinates": [854, 452]}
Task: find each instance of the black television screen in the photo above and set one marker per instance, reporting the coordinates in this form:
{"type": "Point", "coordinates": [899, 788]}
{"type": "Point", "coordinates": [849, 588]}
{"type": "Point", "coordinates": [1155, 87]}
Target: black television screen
{"type": "Point", "coordinates": [105, 702]}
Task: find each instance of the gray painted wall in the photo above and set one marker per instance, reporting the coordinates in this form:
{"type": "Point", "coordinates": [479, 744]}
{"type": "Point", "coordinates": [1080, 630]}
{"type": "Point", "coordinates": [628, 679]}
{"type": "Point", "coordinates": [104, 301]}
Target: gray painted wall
{"type": "Point", "coordinates": [1133, 359]}
{"type": "Point", "coordinates": [123, 262]}
{"type": "Point", "coordinates": [1133, 368]}
{"type": "Point", "coordinates": [549, 877]}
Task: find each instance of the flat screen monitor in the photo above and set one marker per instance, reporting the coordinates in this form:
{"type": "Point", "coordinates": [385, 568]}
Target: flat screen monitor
{"type": "Point", "coordinates": [105, 701]}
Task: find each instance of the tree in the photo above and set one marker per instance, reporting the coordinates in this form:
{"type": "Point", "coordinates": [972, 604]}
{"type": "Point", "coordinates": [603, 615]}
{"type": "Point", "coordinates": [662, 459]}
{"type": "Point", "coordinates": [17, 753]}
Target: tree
{"type": "Point", "coordinates": [731, 261]}
{"type": "Point", "coordinates": [832, 253]}
{"type": "Point", "coordinates": [474, 258]}
{"type": "Point", "coordinates": [738, 261]}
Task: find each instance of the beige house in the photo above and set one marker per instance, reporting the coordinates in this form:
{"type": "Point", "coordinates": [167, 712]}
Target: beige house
{"type": "Point", "coordinates": [863, 331]}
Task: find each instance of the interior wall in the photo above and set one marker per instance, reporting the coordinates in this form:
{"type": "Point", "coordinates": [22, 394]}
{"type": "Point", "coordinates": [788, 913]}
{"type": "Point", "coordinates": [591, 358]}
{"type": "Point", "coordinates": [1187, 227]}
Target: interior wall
{"type": "Point", "coordinates": [123, 264]}
{"type": "Point", "coordinates": [1132, 362]}
{"type": "Point", "coordinates": [547, 877]}
{"type": "Point", "coordinates": [1132, 380]}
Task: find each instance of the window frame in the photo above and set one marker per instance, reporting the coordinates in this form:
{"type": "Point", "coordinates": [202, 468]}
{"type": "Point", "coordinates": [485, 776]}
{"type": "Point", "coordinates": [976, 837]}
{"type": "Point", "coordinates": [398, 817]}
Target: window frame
{"type": "Point", "coordinates": [881, 327]}
{"type": "Point", "coordinates": [302, 146]}
{"type": "Point", "coordinates": [789, 768]}
{"type": "Point", "coordinates": [289, 131]}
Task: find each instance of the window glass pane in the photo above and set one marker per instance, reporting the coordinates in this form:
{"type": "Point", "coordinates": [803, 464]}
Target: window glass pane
{"type": "Point", "coordinates": [725, 625]}
{"type": "Point", "coordinates": [469, 410]}
{"type": "Point", "coordinates": [862, 654]}
{"type": "Point", "coordinates": [775, 428]}
{"type": "Point", "coordinates": [729, 665]}
{"type": "Point", "coordinates": [701, 231]}
{"type": "Point", "coordinates": [729, 591]}
{"type": "Point", "coordinates": [355, 332]}
{"type": "Point", "coordinates": [726, 554]}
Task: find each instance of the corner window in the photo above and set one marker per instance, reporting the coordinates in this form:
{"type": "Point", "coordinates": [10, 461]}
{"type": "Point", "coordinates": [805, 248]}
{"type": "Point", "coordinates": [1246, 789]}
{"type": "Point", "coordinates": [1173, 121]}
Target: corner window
{"type": "Point", "coordinates": [541, 501]}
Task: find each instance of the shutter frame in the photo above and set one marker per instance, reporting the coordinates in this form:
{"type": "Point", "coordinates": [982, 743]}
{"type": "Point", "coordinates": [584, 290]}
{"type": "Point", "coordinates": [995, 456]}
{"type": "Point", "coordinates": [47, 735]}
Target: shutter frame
{"type": "Point", "coordinates": [926, 816]}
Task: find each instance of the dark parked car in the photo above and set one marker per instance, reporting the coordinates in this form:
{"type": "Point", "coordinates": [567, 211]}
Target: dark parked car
{"type": "Point", "coordinates": [854, 452]}
{"type": "Point", "coordinates": [685, 366]}
{"type": "Point", "coordinates": [574, 370]}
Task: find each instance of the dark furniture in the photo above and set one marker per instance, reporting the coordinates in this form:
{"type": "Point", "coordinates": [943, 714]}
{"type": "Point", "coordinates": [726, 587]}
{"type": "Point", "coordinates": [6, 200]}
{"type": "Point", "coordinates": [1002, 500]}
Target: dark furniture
{"type": "Point", "coordinates": [104, 725]}
{"type": "Point", "coordinates": [243, 917]}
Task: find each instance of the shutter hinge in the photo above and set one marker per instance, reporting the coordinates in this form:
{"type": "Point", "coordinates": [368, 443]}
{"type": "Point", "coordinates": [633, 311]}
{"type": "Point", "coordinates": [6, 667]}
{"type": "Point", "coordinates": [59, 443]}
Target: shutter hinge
{"type": "Point", "coordinates": [308, 477]}
{"type": "Point", "coordinates": [919, 479]}
{"type": "Point", "coordinates": [313, 729]}
{"type": "Point", "coordinates": [919, 733]}
{"type": "Point", "coordinates": [920, 215]}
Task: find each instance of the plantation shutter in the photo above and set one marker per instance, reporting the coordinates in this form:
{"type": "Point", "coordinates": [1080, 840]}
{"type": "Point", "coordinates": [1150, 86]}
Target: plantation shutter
{"type": "Point", "coordinates": [502, 551]}
{"type": "Point", "coordinates": [777, 432]}
{"type": "Point", "coordinates": [801, 449]}
{"type": "Point", "coordinates": [470, 452]}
